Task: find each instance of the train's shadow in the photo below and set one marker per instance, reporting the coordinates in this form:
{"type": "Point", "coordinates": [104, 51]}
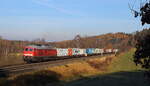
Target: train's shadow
{"type": "Point", "coordinates": [131, 78]}
{"type": "Point", "coordinates": [3, 73]}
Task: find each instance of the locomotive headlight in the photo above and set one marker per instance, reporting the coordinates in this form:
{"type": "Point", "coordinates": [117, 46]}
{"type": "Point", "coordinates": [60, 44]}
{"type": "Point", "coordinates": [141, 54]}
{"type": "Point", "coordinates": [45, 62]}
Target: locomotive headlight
{"type": "Point", "coordinates": [28, 54]}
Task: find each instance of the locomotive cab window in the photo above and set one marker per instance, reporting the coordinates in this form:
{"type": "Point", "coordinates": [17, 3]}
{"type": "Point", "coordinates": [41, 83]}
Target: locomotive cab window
{"type": "Point", "coordinates": [26, 49]}
{"type": "Point", "coordinates": [30, 49]}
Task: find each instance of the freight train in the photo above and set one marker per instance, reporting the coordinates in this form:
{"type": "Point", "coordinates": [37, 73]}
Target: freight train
{"type": "Point", "coordinates": [38, 53]}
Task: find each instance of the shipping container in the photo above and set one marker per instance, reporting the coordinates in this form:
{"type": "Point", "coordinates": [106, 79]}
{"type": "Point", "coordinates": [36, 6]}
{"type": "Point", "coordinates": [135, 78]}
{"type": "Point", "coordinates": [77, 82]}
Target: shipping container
{"type": "Point", "coordinates": [101, 51]}
{"type": "Point", "coordinates": [108, 51]}
{"type": "Point", "coordinates": [90, 51]}
{"type": "Point", "coordinates": [82, 52]}
{"type": "Point", "coordinates": [70, 52]}
{"type": "Point", "coordinates": [62, 52]}
{"type": "Point", "coordinates": [75, 51]}
{"type": "Point", "coordinates": [115, 50]}
{"type": "Point", "coordinates": [96, 51]}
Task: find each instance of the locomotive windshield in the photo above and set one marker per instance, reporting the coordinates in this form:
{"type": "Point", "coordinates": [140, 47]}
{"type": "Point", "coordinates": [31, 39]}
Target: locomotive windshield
{"type": "Point", "coordinates": [28, 49]}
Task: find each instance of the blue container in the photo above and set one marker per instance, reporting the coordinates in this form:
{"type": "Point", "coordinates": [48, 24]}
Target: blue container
{"type": "Point", "coordinates": [90, 51]}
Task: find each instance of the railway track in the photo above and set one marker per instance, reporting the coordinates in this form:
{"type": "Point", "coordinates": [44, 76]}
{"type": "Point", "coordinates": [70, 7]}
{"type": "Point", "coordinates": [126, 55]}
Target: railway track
{"type": "Point", "coordinates": [22, 68]}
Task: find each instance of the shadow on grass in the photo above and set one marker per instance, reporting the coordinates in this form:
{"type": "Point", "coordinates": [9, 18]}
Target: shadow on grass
{"type": "Point", "coordinates": [133, 78]}
{"type": "Point", "coordinates": [40, 78]}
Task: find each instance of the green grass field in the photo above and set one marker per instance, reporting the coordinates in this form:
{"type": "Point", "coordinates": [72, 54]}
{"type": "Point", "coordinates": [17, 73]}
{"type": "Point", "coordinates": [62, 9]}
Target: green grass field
{"type": "Point", "coordinates": [124, 62]}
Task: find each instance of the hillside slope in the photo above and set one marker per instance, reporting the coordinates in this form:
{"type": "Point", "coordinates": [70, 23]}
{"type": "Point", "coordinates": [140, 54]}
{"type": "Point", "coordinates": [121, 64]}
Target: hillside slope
{"type": "Point", "coordinates": [121, 72]}
{"type": "Point", "coordinates": [121, 41]}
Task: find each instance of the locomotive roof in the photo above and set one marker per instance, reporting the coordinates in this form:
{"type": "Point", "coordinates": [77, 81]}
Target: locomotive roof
{"type": "Point", "coordinates": [40, 46]}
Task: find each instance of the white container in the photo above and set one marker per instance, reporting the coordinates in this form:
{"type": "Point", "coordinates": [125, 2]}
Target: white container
{"type": "Point", "coordinates": [75, 51]}
{"type": "Point", "coordinates": [108, 50]}
{"type": "Point", "coordinates": [82, 52]}
{"type": "Point", "coordinates": [96, 51]}
{"type": "Point", "coordinates": [62, 52]}
{"type": "Point", "coordinates": [101, 51]}
{"type": "Point", "coordinates": [115, 50]}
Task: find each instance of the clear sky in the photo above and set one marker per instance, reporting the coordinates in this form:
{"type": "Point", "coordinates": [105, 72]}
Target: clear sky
{"type": "Point", "coordinates": [57, 20]}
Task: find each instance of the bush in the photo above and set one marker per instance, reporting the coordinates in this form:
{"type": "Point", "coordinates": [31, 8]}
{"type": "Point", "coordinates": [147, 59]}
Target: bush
{"type": "Point", "coordinates": [100, 64]}
{"type": "Point", "coordinates": [142, 54]}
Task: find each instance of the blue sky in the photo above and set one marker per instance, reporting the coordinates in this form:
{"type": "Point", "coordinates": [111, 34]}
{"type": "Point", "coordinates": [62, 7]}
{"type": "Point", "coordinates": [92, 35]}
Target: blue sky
{"type": "Point", "coordinates": [57, 20]}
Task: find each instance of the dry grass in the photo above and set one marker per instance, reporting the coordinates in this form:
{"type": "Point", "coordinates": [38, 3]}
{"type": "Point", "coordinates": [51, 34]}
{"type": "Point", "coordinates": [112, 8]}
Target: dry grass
{"type": "Point", "coordinates": [74, 70]}
{"type": "Point", "coordinates": [68, 72]}
{"type": "Point", "coordinates": [100, 64]}
{"type": "Point", "coordinates": [82, 69]}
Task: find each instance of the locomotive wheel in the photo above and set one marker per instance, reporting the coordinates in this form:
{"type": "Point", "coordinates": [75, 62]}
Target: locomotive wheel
{"type": "Point", "coordinates": [28, 59]}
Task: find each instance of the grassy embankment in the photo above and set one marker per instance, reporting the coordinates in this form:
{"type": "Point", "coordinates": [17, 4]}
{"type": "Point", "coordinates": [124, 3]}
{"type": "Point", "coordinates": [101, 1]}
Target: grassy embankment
{"type": "Point", "coordinates": [119, 70]}
{"type": "Point", "coordinates": [124, 62]}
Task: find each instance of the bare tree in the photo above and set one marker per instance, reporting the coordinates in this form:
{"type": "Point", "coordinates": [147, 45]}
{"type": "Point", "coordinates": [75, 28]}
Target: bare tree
{"type": "Point", "coordinates": [144, 12]}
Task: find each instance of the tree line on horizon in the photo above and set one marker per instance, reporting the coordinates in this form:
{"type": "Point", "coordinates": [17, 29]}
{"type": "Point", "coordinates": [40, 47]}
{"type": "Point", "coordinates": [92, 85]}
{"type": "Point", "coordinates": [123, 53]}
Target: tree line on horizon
{"type": "Point", "coordinates": [120, 40]}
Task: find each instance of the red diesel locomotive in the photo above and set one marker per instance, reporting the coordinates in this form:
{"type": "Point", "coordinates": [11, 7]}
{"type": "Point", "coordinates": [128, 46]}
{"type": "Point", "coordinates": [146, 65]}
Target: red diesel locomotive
{"type": "Point", "coordinates": [33, 53]}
